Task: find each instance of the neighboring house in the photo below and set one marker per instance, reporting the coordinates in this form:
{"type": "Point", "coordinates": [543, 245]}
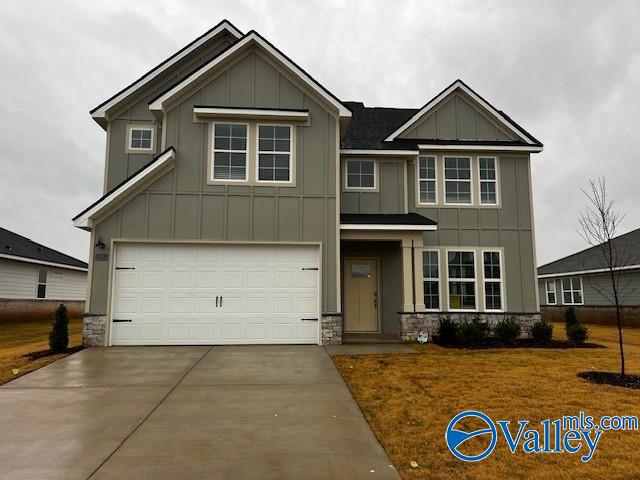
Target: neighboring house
{"type": "Point", "coordinates": [583, 280]}
{"type": "Point", "coordinates": [35, 279]}
{"type": "Point", "coordinates": [244, 203]}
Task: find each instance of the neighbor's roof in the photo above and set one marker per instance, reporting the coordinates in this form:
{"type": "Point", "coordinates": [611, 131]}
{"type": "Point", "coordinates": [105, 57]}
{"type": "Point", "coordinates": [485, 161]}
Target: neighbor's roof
{"type": "Point", "coordinates": [627, 246]}
{"type": "Point", "coordinates": [20, 248]}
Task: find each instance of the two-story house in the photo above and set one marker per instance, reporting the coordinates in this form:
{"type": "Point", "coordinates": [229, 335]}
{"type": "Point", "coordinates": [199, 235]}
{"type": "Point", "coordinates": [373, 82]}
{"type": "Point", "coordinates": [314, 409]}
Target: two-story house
{"type": "Point", "coordinates": [245, 203]}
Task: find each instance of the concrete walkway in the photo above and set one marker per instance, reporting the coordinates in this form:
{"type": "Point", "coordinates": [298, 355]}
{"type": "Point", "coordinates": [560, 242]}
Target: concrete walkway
{"type": "Point", "coordinates": [255, 412]}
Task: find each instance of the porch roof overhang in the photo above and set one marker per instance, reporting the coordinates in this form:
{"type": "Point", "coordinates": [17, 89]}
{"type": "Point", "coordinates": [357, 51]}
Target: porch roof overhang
{"type": "Point", "coordinates": [382, 221]}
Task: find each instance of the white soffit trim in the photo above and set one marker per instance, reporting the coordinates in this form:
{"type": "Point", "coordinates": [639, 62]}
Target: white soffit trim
{"type": "Point", "coordinates": [371, 226]}
{"type": "Point", "coordinates": [252, 113]}
{"type": "Point", "coordinates": [380, 153]}
{"type": "Point", "coordinates": [158, 103]}
{"type": "Point", "coordinates": [101, 110]}
{"type": "Point", "coordinates": [492, 148]}
{"type": "Point", "coordinates": [165, 159]}
{"type": "Point", "coordinates": [454, 86]}
{"type": "Point", "coordinates": [42, 262]}
{"type": "Point", "coordinates": [585, 272]}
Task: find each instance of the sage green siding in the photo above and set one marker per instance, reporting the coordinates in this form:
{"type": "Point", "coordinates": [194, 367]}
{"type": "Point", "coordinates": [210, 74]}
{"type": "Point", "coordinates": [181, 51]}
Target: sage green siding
{"type": "Point", "coordinates": [389, 197]}
{"type": "Point", "coordinates": [458, 118]}
{"type": "Point", "coordinates": [509, 226]}
{"type": "Point", "coordinates": [182, 206]}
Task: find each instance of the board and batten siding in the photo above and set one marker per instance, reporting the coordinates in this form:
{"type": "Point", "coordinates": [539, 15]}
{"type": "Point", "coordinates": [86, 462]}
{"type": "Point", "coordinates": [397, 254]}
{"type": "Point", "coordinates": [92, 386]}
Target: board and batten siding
{"type": "Point", "coordinates": [19, 280]}
{"type": "Point", "coordinates": [183, 206]}
{"type": "Point", "coordinates": [597, 291]}
{"type": "Point", "coordinates": [389, 196]}
{"type": "Point", "coordinates": [509, 226]}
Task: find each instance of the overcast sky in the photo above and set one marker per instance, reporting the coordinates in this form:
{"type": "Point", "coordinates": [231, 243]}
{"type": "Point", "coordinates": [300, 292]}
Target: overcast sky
{"type": "Point", "coordinates": [569, 72]}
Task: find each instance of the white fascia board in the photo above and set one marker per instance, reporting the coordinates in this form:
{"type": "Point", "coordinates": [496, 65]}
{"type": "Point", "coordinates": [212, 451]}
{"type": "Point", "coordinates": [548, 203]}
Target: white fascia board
{"type": "Point", "coordinates": [359, 226]}
{"type": "Point", "coordinates": [586, 272]}
{"type": "Point", "coordinates": [458, 84]}
{"type": "Point", "coordinates": [380, 153]}
{"type": "Point", "coordinates": [158, 104]}
{"type": "Point", "coordinates": [101, 111]}
{"type": "Point", "coordinates": [251, 113]}
{"type": "Point", "coordinates": [42, 262]}
{"type": "Point", "coordinates": [84, 219]}
{"type": "Point", "coordinates": [492, 148]}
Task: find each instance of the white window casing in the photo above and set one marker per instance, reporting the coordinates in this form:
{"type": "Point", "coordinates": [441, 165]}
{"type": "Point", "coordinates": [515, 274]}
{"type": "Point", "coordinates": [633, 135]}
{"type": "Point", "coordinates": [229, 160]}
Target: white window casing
{"type": "Point", "coordinates": [232, 146]}
{"type": "Point", "coordinates": [493, 291]}
{"type": "Point", "coordinates": [458, 283]}
{"type": "Point", "coordinates": [360, 174]}
{"type": "Point", "coordinates": [550, 290]}
{"type": "Point", "coordinates": [140, 138]}
{"type": "Point", "coordinates": [488, 180]}
{"type": "Point", "coordinates": [572, 291]}
{"type": "Point", "coordinates": [427, 180]}
{"type": "Point", "coordinates": [431, 279]}
{"type": "Point", "coordinates": [264, 150]}
{"type": "Point", "coordinates": [458, 185]}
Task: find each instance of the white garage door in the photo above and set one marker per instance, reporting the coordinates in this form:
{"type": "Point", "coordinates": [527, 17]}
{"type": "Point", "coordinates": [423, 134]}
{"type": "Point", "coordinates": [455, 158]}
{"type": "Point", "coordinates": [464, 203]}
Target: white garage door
{"type": "Point", "coordinates": [188, 294]}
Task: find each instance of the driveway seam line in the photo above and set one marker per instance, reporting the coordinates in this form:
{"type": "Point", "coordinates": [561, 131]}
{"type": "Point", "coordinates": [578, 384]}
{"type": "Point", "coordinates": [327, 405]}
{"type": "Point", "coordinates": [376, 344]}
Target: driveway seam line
{"type": "Point", "coordinates": [148, 415]}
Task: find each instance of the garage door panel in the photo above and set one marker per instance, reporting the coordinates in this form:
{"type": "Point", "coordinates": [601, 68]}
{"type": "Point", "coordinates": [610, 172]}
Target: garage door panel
{"type": "Point", "coordinates": [170, 291]}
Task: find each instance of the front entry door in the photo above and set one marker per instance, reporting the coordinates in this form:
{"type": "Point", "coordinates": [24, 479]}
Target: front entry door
{"type": "Point", "coordinates": [361, 294]}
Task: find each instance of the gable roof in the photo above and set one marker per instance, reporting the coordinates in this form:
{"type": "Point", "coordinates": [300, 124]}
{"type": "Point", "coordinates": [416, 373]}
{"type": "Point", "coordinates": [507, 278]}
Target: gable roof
{"type": "Point", "coordinates": [99, 112]}
{"type": "Point", "coordinates": [503, 119]}
{"type": "Point", "coordinates": [591, 258]}
{"type": "Point", "coordinates": [251, 38]}
{"type": "Point", "coordinates": [19, 248]}
{"type": "Point", "coordinates": [370, 125]}
{"type": "Point", "coordinates": [162, 163]}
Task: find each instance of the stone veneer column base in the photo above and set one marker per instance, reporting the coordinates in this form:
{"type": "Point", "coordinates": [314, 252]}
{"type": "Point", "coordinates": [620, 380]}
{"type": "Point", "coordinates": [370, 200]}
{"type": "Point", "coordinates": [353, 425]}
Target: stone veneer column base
{"type": "Point", "coordinates": [331, 328]}
{"type": "Point", "coordinates": [412, 323]}
{"type": "Point", "coordinates": [94, 330]}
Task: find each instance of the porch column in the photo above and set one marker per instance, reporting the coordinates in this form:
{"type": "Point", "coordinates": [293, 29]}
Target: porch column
{"type": "Point", "coordinates": [417, 273]}
{"type": "Point", "coordinates": [407, 276]}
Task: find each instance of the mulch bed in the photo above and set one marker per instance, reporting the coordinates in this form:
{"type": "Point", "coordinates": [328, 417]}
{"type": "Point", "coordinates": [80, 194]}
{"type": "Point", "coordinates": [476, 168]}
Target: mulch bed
{"type": "Point", "coordinates": [609, 378]}
{"type": "Point", "coordinates": [520, 343]}
{"type": "Point", "coordinates": [46, 353]}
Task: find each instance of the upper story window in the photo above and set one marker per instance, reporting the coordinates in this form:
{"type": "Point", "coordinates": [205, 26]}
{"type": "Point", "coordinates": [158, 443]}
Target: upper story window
{"type": "Point", "coordinates": [42, 283]}
{"type": "Point", "coordinates": [488, 180]}
{"type": "Point", "coordinates": [230, 152]}
{"type": "Point", "coordinates": [457, 180]}
{"type": "Point", "coordinates": [572, 291]}
{"type": "Point", "coordinates": [550, 289]}
{"type": "Point", "coordinates": [274, 153]}
{"type": "Point", "coordinates": [427, 180]}
{"type": "Point", "coordinates": [492, 280]}
{"type": "Point", "coordinates": [360, 174]}
{"type": "Point", "coordinates": [431, 279]}
{"type": "Point", "coordinates": [461, 280]}
{"type": "Point", "coordinates": [140, 139]}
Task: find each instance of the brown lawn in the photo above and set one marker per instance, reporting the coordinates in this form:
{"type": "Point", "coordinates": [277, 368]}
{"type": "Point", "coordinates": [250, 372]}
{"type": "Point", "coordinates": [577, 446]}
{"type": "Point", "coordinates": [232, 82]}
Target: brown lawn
{"type": "Point", "coordinates": [408, 401]}
{"type": "Point", "coordinates": [20, 338]}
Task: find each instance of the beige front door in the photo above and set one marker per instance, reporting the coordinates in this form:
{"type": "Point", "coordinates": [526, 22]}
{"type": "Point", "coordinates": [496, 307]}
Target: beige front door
{"type": "Point", "coordinates": [361, 294]}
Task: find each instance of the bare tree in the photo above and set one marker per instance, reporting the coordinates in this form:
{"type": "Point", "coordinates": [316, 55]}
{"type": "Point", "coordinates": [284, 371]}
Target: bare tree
{"type": "Point", "coordinates": [599, 222]}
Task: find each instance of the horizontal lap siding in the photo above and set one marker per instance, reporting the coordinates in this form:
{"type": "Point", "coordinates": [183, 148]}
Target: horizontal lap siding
{"type": "Point", "coordinates": [19, 280]}
{"type": "Point", "coordinates": [597, 289]}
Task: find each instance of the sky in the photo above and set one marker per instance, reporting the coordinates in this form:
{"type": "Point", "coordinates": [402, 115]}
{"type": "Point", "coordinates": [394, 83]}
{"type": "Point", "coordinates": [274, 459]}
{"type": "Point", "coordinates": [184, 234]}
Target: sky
{"type": "Point", "coordinates": [567, 71]}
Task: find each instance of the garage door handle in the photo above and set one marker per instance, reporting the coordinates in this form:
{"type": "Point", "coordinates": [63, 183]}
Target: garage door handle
{"type": "Point", "coordinates": [216, 301]}
{"type": "Point", "coordinates": [119, 320]}
{"type": "Point", "coordinates": [221, 297]}
{"type": "Point", "coordinates": [309, 268]}
{"type": "Point", "coordinates": [309, 319]}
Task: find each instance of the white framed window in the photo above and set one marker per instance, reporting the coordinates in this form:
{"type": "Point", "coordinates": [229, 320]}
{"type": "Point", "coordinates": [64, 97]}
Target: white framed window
{"type": "Point", "coordinates": [274, 153]}
{"type": "Point", "coordinates": [360, 174]}
{"type": "Point", "coordinates": [492, 269]}
{"type": "Point", "coordinates": [427, 184]}
{"type": "Point", "coordinates": [550, 289]}
{"type": "Point", "coordinates": [572, 291]}
{"type": "Point", "coordinates": [229, 160]}
{"type": "Point", "coordinates": [457, 180]}
{"type": "Point", "coordinates": [41, 291]}
{"type": "Point", "coordinates": [461, 280]}
{"type": "Point", "coordinates": [431, 279]}
{"type": "Point", "coordinates": [140, 139]}
{"type": "Point", "coordinates": [488, 178]}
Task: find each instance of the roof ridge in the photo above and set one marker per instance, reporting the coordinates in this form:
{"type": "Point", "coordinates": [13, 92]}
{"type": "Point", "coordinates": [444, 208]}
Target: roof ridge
{"type": "Point", "coordinates": [40, 245]}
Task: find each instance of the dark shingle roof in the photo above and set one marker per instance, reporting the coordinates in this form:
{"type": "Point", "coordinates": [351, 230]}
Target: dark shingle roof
{"type": "Point", "coordinates": [369, 126]}
{"type": "Point", "coordinates": [385, 219]}
{"type": "Point", "coordinates": [18, 246]}
{"type": "Point", "coordinates": [627, 246]}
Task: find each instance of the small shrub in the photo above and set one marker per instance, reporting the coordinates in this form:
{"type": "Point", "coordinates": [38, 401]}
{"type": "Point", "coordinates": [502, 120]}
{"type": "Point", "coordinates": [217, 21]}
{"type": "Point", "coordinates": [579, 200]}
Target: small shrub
{"type": "Point", "coordinates": [570, 317]}
{"type": "Point", "coordinates": [473, 332]}
{"type": "Point", "coordinates": [507, 331]}
{"type": "Point", "coordinates": [448, 332]}
{"type": "Point", "coordinates": [59, 336]}
{"type": "Point", "coordinates": [542, 332]}
{"type": "Point", "coordinates": [577, 333]}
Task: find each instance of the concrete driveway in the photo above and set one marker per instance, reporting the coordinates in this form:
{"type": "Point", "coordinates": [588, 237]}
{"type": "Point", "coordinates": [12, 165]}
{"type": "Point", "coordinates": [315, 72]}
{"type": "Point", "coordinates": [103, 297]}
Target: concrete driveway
{"type": "Point", "coordinates": [187, 412]}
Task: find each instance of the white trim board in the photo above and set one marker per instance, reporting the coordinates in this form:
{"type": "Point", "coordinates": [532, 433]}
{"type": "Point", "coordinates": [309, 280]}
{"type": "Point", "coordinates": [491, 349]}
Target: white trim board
{"type": "Point", "coordinates": [166, 159]}
{"type": "Point", "coordinates": [41, 262]}
{"type": "Point", "coordinates": [372, 226]}
{"type": "Point", "coordinates": [586, 272]}
{"type": "Point", "coordinates": [484, 148]}
{"type": "Point", "coordinates": [157, 105]}
{"type": "Point", "coordinates": [458, 84]}
{"type": "Point", "coordinates": [252, 113]}
{"type": "Point", "coordinates": [100, 112]}
{"type": "Point", "coordinates": [380, 153]}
